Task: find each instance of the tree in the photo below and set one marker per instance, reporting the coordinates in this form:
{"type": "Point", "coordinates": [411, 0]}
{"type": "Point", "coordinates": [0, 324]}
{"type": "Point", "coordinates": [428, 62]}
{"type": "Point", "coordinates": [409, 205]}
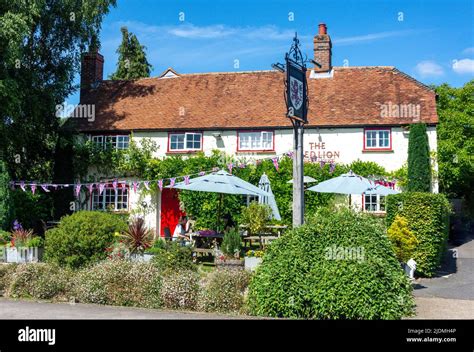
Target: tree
{"type": "Point", "coordinates": [419, 168]}
{"type": "Point", "coordinates": [132, 62]}
{"type": "Point", "coordinates": [5, 199]}
{"type": "Point", "coordinates": [456, 140]}
{"type": "Point", "coordinates": [40, 49]}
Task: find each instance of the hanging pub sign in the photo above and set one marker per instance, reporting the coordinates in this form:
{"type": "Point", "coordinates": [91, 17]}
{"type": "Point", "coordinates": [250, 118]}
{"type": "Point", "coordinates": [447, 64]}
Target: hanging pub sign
{"type": "Point", "coordinates": [296, 91]}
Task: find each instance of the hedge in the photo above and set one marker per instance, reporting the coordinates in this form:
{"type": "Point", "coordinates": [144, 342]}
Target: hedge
{"type": "Point", "coordinates": [428, 219]}
{"type": "Point", "coordinates": [339, 265]}
{"type": "Point", "coordinates": [82, 238]}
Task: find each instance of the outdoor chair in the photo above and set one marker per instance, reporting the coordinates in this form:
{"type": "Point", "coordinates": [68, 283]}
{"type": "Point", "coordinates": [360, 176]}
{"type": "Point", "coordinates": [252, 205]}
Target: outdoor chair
{"type": "Point", "coordinates": [167, 234]}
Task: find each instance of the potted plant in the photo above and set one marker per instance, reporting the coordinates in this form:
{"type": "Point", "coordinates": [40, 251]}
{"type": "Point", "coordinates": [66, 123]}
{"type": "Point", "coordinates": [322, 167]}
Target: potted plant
{"type": "Point", "coordinates": [229, 254]}
{"type": "Point", "coordinates": [137, 239]}
{"type": "Point", "coordinates": [24, 246]}
{"type": "Point", "coordinates": [404, 243]}
{"type": "Point", "coordinates": [252, 259]}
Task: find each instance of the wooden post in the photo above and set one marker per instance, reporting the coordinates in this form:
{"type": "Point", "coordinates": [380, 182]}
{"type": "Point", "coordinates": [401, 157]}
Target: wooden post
{"type": "Point", "coordinates": [298, 185]}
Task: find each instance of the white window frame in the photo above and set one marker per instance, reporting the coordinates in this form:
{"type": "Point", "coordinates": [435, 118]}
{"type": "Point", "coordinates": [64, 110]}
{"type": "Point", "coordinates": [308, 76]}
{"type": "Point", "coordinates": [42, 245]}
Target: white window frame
{"type": "Point", "coordinates": [252, 144]}
{"type": "Point", "coordinates": [378, 139]}
{"type": "Point", "coordinates": [118, 141]}
{"type": "Point", "coordinates": [108, 197]}
{"type": "Point", "coordinates": [185, 141]}
{"type": "Point", "coordinates": [374, 207]}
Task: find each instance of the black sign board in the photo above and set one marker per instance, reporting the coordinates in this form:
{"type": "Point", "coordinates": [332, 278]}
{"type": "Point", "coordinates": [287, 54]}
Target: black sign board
{"type": "Point", "coordinates": [296, 88]}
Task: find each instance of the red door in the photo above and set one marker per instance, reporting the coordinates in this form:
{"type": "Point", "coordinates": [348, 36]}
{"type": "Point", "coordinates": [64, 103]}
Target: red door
{"type": "Point", "coordinates": [170, 211]}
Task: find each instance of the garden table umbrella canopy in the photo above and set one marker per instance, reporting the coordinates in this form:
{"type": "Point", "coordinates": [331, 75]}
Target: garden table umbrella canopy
{"type": "Point", "coordinates": [349, 183]}
{"type": "Point", "coordinates": [381, 190]}
{"type": "Point", "coordinates": [264, 184]}
{"type": "Point", "coordinates": [221, 182]}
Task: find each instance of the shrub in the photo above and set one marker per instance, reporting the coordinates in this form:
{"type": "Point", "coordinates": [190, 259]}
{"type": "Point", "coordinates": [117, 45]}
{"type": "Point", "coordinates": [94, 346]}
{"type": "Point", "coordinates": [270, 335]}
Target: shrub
{"type": "Point", "coordinates": [256, 216]}
{"type": "Point", "coordinates": [340, 265]}
{"type": "Point", "coordinates": [6, 272]}
{"type": "Point", "coordinates": [419, 167]}
{"type": "Point", "coordinates": [82, 238]}
{"type": "Point", "coordinates": [223, 291]}
{"type": "Point", "coordinates": [428, 219]}
{"type": "Point", "coordinates": [119, 282]}
{"type": "Point", "coordinates": [173, 257]}
{"type": "Point", "coordinates": [38, 280]}
{"type": "Point", "coordinates": [403, 240]}
{"type": "Point", "coordinates": [231, 243]}
{"type": "Point", "coordinates": [137, 238]}
{"type": "Point", "coordinates": [180, 289]}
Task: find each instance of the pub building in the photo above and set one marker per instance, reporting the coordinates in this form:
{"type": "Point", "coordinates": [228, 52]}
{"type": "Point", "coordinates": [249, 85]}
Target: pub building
{"type": "Point", "coordinates": [359, 112]}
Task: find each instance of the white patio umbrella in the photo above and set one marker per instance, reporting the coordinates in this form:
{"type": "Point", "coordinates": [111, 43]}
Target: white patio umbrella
{"type": "Point", "coordinates": [264, 184]}
{"type": "Point", "coordinates": [221, 182]}
{"type": "Point", "coordinates": [349, 183]}
{"type": "Point", "coordinates": [381, 190]}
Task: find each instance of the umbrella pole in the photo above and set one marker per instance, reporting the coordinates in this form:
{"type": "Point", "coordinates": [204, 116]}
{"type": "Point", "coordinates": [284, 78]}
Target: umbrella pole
{"type": "Point", "coordinates": [219, 208]}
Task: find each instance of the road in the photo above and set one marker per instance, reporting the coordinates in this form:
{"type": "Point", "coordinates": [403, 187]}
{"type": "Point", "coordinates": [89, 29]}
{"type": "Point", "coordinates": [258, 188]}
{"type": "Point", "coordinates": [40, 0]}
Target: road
{"type": "Point", "coordinates": [25, 309]}
{"type": "Point", "coordinates": [450, 294]}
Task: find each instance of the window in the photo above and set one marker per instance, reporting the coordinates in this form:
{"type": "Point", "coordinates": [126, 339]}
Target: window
{"type": "Point", "coordinates": [110, 199]}
{"type": "Point", "coordinates": [115, 141]}
{"type": "Point", "coordinates": [374, 202]}
{"type": "Point", "coordinates": [378, 139]}
{"type": "Point", "coordinates": [185, 141]}
{"type": "Point", "coordinates": [262, 140]}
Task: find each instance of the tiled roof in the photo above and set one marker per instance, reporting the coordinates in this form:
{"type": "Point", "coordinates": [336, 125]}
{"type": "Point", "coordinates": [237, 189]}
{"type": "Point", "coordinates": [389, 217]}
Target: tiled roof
{"type": "Point", "coordinates": [351, 97]}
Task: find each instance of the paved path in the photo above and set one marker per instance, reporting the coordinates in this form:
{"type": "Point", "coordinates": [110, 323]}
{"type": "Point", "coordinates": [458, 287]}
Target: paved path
{"type": "Point", "coordinates": [450, 294]}
{"type": "Point", "coordinates": [25, 309]}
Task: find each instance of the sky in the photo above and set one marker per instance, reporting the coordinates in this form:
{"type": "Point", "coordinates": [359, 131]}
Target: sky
{"type": "Point", "coordinates": [431, 40]}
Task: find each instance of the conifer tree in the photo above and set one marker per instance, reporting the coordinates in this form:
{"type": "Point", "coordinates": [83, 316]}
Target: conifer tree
{"type": "Point", "coordinates": [132, 62]}
{"type": "Point", "coordinates": [419, 168]}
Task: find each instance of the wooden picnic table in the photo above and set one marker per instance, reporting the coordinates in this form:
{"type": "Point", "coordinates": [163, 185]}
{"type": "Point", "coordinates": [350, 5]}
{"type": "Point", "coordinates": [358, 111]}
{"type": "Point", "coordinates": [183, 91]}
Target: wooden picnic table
{"type": "Point", "coordinates": [207, 243]}
{"type": "Point", "coordinates": [266, 237]}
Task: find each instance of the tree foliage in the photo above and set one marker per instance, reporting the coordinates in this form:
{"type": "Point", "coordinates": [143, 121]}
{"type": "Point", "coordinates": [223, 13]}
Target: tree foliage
{"type": "Point", "coordinates": [40, 47]}
{"type": "Point", "coordinates": [132, 62]}
{"type": "Point", "coordinates": [456, 140]}
{"type": "Point", "coordinates": [5, 199]}
{"type": "Point", "coordinates": [419, 166]}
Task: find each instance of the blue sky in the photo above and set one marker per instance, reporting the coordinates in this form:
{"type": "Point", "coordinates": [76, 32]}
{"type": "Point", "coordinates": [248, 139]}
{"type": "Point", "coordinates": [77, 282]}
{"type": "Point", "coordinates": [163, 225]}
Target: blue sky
{"type": "Point", "coordinates": [431, 40]}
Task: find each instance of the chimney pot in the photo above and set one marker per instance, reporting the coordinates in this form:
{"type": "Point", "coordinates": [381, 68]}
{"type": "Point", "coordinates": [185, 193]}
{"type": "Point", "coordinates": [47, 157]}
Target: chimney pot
{"type": "Point", "coordinates": [323, 29]}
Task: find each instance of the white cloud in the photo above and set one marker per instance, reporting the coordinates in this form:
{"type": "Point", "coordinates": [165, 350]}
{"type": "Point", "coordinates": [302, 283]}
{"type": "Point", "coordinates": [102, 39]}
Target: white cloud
{"type": "Point", "coordinates": [194, 32]}
{"type": "Point", "coordinates": [370, 37]}
{"type": "Point", "coordinates": [468, 50]}
{"type": "Point", "coordinates": [429, 68]}
{"type": "Point", "coordinates": [463, 66]}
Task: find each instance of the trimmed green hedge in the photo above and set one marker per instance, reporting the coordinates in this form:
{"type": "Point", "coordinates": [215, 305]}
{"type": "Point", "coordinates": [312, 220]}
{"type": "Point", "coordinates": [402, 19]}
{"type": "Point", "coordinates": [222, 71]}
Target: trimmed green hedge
{"type": "Point", "coordinates": [428, 219]}
{"type": "Point", "coordinates": [340, 265]}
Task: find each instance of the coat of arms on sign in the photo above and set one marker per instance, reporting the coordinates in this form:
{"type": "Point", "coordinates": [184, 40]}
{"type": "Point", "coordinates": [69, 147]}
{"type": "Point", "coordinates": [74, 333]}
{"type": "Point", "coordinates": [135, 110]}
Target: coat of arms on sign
{"type": "Point", "coordinates": [296, 93]}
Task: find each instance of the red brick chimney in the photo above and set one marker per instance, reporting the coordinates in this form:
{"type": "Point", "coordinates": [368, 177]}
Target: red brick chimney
{"type": "Point", "coordinates": [322, 49]}
{"type": "Point", "coordinates": [92, 70]}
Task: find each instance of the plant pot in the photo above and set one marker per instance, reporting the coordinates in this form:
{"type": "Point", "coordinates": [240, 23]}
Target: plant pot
{"type": "Point", "coordinates": [24, 254]}
{"type": "Point", "coordinates": [251, 263]}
